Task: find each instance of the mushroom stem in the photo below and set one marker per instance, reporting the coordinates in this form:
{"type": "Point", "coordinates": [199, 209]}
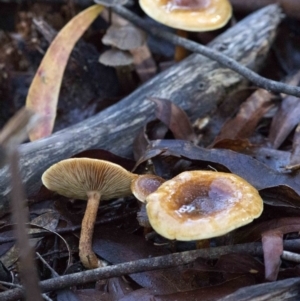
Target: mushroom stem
{"type": "Point", "coordinates": [86, 253]}
{"type": "Point", "coordinates": [180, 52]}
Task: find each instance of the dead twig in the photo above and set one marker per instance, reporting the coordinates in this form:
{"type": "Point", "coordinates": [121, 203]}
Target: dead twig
{"type": "Point", "coordinates": [71, 229]}
{"type": "Point", "coordinates": [12, 134]}
{"type": "Point", "coordinates": [133, 267]}
{"type": "Point", "coordinates": [142, 265]}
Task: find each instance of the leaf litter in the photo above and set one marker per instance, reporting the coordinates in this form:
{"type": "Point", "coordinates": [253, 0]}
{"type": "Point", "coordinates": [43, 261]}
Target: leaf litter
{"type": "Point", "coordinates": [249, 140]}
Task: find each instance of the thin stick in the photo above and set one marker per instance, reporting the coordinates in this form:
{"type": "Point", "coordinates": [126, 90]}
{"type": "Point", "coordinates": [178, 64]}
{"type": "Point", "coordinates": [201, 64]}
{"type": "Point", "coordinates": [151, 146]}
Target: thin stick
{"type": "Point", "coordinates": [71, 229]}
{"type": "Point", "coordinates": [20, 286]}
{"type": "Point", "coordinates": [291, 256]}
{"type": "Point", "coordinates": [226, 61]}
{"type": "Point", "coordinates": [143, 265]}
{"type": "Point", "coordinates": [137, 266]}
{"type": "Point", "coordinates": [28, 270]}
{"type": "Point", "coordinates": [53, 272]}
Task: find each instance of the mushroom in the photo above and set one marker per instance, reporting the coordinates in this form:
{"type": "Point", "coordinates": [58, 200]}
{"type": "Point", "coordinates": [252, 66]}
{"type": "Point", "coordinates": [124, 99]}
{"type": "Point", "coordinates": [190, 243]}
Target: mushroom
{"type": "Point", "coordinates": [122, 62]}
{"type": "Point", "coordinates": [141, 187]}
{"type": "Point", "coordinates": [125, 37]}
{"type": "Point", "coordinates": [198, 205]}
{"type": "Point", "coordinates": [91, 180]}
{"type": "Point", "coordinates": [188, 15]}
{"type": "Point", "coordinates": [145, 184]}
{"type": "Point", "coordinates": [130, 38]}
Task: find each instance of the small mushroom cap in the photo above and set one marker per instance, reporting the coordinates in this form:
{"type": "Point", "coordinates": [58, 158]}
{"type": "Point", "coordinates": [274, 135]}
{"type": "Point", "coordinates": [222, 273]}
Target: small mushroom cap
{"type": "Point", "coordinates": [75, 177]}
{"type": "Point", "coordinates": [124, 37]}
{"type": "Point", "coordinates": [190, 15]}
{"type": "Point", "coordinates": [202, 204]}
{"type": "Point", "coordinates": [116, 58]}
{"type": "Point", "coordinates": [143, 185]}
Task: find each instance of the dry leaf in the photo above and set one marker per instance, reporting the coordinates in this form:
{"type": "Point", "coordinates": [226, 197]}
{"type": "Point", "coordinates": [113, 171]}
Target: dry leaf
{"type": "Point", "coordinates": [246, 120]}
{"type": "Point", "coordinates": [43, 94]}
{"type": "Point", "coordinates": [174, 118]}
{"type": "Point", "coordinates": [286, 118]}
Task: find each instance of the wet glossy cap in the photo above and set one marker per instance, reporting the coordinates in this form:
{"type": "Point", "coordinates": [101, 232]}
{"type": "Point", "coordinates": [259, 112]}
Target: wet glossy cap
{"type": "Point", "coordinates": [74, 177]}
{"type": "Point", "coordinates": [202, 204]}
{"type": "Point", "coordinates": [143, 185]}
{"type": "Point", "coordinates": [190, 15]}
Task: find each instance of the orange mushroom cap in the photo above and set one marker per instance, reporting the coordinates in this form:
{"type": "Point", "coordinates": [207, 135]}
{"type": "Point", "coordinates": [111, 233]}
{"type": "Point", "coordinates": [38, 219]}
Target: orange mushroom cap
{"type": "Point", "coordinates": [190, 15]}
{"type": "Point", "coordinates": [143, 185]}
{"type": "Point", "coordinates": [202, 204]}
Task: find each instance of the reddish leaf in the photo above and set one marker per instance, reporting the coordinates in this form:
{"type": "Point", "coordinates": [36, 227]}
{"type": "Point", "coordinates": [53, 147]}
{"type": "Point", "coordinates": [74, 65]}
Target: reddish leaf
{"type": "Point", "coordinates": [287, 117]}
{"type": "Point", "coordinates": [254, 232]}
{"type": "Point", "coordinates": [144, 62]}
{"type": "Point", "coordinates": [117, 288]}
{"type": "Point", "coordinates": [140, 143]}
{"type": "Point", "coordinates": [225, 111]}
{"type": "Point", "coordinates": [240, 264]}
{"type": "Point", "coordinates": [250, 113]}
{"type": "Point", "coordinates": [151, 131]}
{"type": "Point", "coordinates": [211, 293]}
{"type": "Point", "coordinates": [295, 156]}
{"type": "Point", "coordinates": [174, 118]}
{"type": "Point", "coordinates": [281, 195]}
{"type": "Point", "coordinates": [272, 247]}
{"type": "Point", "coordinates": [237, 145]}
{"type": "Point", "coordinates": [275, 159]}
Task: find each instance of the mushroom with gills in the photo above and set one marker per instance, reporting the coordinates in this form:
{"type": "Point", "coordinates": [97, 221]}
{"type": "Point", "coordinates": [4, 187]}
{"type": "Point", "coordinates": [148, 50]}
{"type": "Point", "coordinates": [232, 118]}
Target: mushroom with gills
{"type": "Point", "coordinates": [188, 15]}
{"type": "Point", "coordinates": [145, 184]}
{"type": "Point", "coordinates": [91, 180]}
{"type": "Point", "coordinates": [141, 187]}
{"type": "Point", "coordinates": [122, 62]}
{"type": "Point", "coordinates": [198, 205]}
{"type": "Point", "coordinates": [127, 37]}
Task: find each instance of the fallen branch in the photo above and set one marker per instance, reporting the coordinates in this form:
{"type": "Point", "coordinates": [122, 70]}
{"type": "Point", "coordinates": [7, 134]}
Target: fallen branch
{"type": "Point", "coordinates": [71, 229]}
{"type": "Point", "coordinates": [197, 84]}
{"type": "Point", "coordinates": [142, 265]}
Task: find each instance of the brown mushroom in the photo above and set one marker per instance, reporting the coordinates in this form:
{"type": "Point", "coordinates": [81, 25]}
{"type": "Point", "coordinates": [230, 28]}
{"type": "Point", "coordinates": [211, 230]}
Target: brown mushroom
{"type": "Point", "coordinates": [188, 15]}
{"type": "Point", "coordinates": [198, 205]}
{"type": "Point", "coordinates": [141, 187]}
{"type": "Point", "coordinates": [126, 37]}
{"type": "Point", "coordinates": [130, 38]}
{"type": "Point", "coordinates": [122, 62]}
{"type": "Point", "coordinates": [91, 180]}
{"type": "Point", "coordinates": [145, 184]}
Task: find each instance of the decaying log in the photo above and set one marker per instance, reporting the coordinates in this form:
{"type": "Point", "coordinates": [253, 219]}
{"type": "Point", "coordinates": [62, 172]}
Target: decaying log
{"type": "Point", "coordinates": [197, 84]}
